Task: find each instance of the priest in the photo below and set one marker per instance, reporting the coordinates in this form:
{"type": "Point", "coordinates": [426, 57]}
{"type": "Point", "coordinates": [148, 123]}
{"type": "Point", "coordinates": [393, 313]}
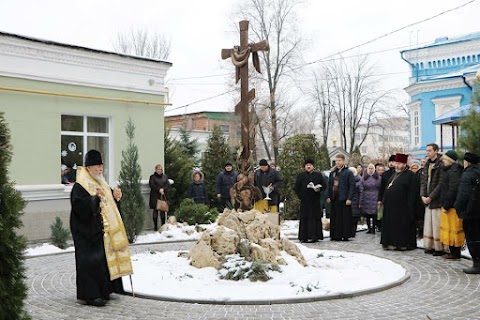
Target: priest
{"type": "Point", "coordinates": [308, 186]}
{"type": "Point", "coordinates": [399, 203]}
{"type": "Point", "coordinates": [102, 255]}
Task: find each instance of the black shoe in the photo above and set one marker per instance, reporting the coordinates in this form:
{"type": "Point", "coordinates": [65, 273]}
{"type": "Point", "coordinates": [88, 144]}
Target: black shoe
{"type": "Point", "coordinates": [438, 253]}
{"type": "Point", "coordinates": [429, 251]}
{"type": "Point", "coordinates": [303, 241]}
{"type": "Point", "coordinates": [98, 302]}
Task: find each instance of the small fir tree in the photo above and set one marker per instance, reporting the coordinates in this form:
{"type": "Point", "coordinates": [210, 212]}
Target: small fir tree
{"type": "Point", "coordinates": [59, 234]}
{"type": "Point", "coordinates": [189, 146]}
{"type": "Point", "coordinates": [132, 204]}
{"type": "Point", "coordinates": [12, 271]}
{"type": "Point", "coordinates": [356, 157]}
{"type": "Point", "coordinates": [296, 150]}
{"type": "Point", "coordinates": [324, 163]}
{"type": "Point", "coordinates": [178, 167]}
{"type": "Point", "coordinates": [213, 162]}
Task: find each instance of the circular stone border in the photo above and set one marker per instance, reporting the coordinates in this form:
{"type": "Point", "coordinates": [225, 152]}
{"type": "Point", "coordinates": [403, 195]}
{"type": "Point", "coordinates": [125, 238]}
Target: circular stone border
{"type": "Point", "coordinates": [357, 293]}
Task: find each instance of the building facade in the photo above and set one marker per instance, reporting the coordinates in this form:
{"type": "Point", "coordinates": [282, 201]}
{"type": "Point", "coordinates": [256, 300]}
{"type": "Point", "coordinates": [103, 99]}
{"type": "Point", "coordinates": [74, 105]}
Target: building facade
{"type": "Point", "coordinates": [200, 125]}
{"type": "Point", "coordinates": [61, 101]}
{"type": "Point", "coordinates": [441, 81]}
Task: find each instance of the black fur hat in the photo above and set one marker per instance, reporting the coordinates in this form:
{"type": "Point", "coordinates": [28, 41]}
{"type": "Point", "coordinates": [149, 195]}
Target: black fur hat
{"type": "Point", "coordinates": [92, 158]}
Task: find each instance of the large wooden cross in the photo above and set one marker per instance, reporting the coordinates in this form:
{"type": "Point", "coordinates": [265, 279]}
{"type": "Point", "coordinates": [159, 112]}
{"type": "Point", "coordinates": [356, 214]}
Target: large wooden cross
{"type": "Point", "coordinates": [239, 56]}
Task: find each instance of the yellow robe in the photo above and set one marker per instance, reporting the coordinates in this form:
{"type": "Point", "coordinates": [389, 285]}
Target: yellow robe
{"type": "Point", "coordinates": [115, 238]}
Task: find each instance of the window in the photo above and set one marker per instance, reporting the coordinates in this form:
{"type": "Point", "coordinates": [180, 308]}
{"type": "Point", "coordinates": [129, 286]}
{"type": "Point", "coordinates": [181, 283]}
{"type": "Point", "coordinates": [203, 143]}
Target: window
{"type": "Point", "coordinates": [225, 128]}
{"type": "Point", "coordinates": [80, 134]}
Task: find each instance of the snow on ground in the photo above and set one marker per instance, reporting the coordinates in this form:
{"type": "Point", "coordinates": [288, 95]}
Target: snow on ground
{"type": "Point", "coordinates": [163, 274]}
{"type": "Point", "coordinates": [46, 248]}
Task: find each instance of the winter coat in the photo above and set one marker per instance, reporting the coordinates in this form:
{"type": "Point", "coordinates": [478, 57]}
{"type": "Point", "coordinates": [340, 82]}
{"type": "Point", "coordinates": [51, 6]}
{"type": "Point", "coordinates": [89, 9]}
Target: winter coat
{"type": "Point", "coordinates": [225, 181]}
{"type": "Point", "coordinates": [310, 201]}
{"type": "Point", "coordinates": [371, 188]}
{"type": "Point", "coordinates": [156, 182]}
{"type": "Point", "coordinates": [467, 182]}
{"type": "Point", "coordinates": [385, 177]}
{"type": "Point", "coordinates": [357, 197]}
{"type": "Point", "coordinates": [449, 186]}
{"type": "Point", "coordinates": [346, 184]}
{"type": "Point", "coordinates": [433, 189]}
{"type": "Point", "coordinates": [269, 177]}
{"type": "Point", "coordinates": [197, 191]}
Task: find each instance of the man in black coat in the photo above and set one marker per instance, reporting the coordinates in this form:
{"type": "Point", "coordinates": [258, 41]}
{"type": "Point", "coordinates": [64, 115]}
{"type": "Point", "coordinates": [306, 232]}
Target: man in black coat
{"type": "Point", "coordinates": [225, 180]}
{"type": "Point", "coordinates": [92, 225]}
{"type": "Point", "coordinates": [399, 201]}
{"type": "Point", "coordinates": [341, 184]}
{"type": "Point", "coordinates": [465, 211]}
{"type": "Point", "coordinates": [269, 178]}
{"type": "Point", "coordinates": [308, 186]}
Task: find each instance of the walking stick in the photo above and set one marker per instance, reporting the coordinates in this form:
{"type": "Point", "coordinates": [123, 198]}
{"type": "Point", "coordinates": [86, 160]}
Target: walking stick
{"type": "Point", "coordinates": [131, 285]}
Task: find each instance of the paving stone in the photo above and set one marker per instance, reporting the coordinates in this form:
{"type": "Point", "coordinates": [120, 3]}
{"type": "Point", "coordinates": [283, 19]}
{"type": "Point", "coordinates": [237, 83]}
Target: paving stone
{"type": "Point", "coordinates": [438, 288]}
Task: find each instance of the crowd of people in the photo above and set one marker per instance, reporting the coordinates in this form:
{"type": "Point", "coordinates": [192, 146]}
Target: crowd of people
{"type": "Point", "coordinates": [436, 199]}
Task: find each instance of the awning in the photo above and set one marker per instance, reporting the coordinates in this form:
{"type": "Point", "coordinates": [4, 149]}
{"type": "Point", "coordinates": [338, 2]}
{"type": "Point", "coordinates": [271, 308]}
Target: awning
{"type": "Point", "coordinates": [454, 115]}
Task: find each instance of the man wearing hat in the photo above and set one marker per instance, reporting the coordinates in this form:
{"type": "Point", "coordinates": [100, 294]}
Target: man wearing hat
{"type": "Point", "coordinates": [399, 200]}
{"type": "Point", "coordinates": [308, 186]}
{"type": "Point", "coordinates": [383, 185]}
{"type": "Point", "coordinates": [102, 255]}
{"type": "Point", "coordinates": [271, 179]}
{"type": "Point", "coordinates": [225, 180]}
{"type": "Point", "coordinates": [430, 187]}
{"type": "Point", "coordinates": [468, 209]}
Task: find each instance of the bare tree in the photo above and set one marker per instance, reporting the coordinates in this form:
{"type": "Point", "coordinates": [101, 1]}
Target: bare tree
{"type": "Point", "coordinates": [275, 21]}
{"type": "Point", "coordinates": [356, 99]}
{"type": "Point", "coordinates": [319, 95]}
{"type": "Point", "coordinates": [142, 43]}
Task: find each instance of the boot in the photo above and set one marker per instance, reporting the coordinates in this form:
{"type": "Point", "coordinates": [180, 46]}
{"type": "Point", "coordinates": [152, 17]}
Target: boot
{"type": "Point", "coordinates": [369, 225]}
{"type": "Point", "coordinates": [374, 222]}
{"type": "Point", "coordinates": [475, 269]}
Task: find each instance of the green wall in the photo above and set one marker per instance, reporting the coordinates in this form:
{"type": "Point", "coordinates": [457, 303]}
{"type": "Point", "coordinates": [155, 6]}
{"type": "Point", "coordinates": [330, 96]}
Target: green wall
{"type": "Point", "coordinates": [35, 125]}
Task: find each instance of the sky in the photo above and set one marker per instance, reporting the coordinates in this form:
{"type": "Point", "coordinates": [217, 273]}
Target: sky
{"type": "Point", "coordinates": [200, 29]}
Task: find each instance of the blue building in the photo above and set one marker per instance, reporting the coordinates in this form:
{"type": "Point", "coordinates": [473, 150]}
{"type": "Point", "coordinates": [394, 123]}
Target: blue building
{"type": "Point", "coordinates": [441, 85]}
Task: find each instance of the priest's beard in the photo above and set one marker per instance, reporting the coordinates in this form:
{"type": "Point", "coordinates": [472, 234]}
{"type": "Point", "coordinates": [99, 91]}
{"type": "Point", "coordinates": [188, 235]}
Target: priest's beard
{"type": "Point", "coordinates": [100, 179]}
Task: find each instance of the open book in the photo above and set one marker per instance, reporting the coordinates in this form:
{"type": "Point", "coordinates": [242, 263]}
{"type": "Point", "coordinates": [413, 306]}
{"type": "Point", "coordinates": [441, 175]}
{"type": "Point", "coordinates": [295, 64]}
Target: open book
{"type": "Point", "coordinates": [311, 185]}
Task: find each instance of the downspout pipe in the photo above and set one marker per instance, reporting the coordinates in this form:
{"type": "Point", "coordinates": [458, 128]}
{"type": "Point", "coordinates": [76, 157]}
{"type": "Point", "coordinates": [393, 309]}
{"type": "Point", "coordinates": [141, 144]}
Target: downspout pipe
{"type": "Point", "coordinates": [411, 64]}
{"type": "Point", "coordinates": [466, 83]}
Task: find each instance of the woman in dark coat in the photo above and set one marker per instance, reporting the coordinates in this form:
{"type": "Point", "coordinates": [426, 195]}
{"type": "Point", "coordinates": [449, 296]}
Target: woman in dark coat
{"type": "Point", "coordinates": [158, 183]}
{"type": "Point", "coordinates": [357, 199]}
{"type": "Point", "coordinates": [451, 229]}
{"type": "Point", "coordinates": [308, 187]}
{"type": "Point", "coordinates": [371, 182]}
{"type": "Point", "coordinates": [197, 191]}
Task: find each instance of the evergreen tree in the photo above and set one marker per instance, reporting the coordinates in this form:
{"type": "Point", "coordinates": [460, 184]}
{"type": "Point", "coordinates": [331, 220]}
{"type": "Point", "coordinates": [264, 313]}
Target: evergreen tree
{"type": "Point", "coordinates": [296, 150]}
{"type": "Point", "coordinates": [213, 161]}
{"type": "Point", "coordinates": [132, 203]}
{"type": "Point", "coordinates": [178, 167]}
{"type": "Point", "coordinates": [12, 271]}
{"type": "Point", "coordinates": [189, 146]}
{"type": "Point", "coordinates": [59, 234]}
{"type": "Point", "coordinates": [469, 139]}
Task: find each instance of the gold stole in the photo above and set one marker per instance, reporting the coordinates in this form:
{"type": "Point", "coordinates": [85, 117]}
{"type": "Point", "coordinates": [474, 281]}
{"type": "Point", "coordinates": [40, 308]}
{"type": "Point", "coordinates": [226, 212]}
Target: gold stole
{"type": "Point", "coordinates": [114, 235]}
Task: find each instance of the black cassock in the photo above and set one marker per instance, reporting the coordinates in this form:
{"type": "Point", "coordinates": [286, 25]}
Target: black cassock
{"type": "Point", "coordinates": [399, 205]}
{"type": "Point", "coordinates": [310, 206]}
{"type": "Point", "coordinates": [93, 277]}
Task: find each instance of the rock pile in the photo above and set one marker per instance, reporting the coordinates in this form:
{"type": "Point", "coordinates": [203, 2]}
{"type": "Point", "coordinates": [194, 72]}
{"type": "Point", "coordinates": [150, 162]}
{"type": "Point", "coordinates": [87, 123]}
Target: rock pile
{"type": "Point", "coordinates": [249, 234]}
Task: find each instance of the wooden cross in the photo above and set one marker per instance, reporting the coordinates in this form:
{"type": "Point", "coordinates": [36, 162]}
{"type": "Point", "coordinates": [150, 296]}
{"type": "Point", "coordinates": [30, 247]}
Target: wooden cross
{"type": "Point", "coordinates": [239, 56]}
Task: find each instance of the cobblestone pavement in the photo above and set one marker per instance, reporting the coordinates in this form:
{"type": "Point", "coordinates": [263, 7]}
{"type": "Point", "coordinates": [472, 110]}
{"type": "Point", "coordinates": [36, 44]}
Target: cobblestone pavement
{"type": "Point", "coordinates": [437, 288]}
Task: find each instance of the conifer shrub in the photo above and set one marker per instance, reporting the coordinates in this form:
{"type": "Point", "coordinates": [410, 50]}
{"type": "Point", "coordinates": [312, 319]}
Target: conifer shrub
{"type": "Point", "coordinates": [13, 290]}
{"type": "Point", "coordinates": [192, 213]}
{"type": "Point", "coordinates": [59, 235]}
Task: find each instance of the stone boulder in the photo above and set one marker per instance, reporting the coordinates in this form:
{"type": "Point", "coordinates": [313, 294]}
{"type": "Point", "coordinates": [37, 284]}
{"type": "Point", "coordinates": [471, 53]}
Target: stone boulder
{"type": "Point", "coordinates": [262, 254]}
{"type": "Point", "coordinates": [224, 241]}
{"type": "Point", "coordinates": [230, 219]}
{"type": "Point", "coordinates": [261, 228]}
{"type": "Point", "coordinates": [292, 249]}
{"type": "Point", "coordinates": [202, 255]}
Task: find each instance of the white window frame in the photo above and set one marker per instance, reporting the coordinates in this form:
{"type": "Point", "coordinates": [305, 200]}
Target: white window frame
{"type": "Point", "coordinates": [85, 134]}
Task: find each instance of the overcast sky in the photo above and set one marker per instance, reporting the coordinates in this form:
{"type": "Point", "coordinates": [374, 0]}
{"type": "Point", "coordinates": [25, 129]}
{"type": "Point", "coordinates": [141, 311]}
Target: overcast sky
{"type": "Point", "coordinates": [200, 29]}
